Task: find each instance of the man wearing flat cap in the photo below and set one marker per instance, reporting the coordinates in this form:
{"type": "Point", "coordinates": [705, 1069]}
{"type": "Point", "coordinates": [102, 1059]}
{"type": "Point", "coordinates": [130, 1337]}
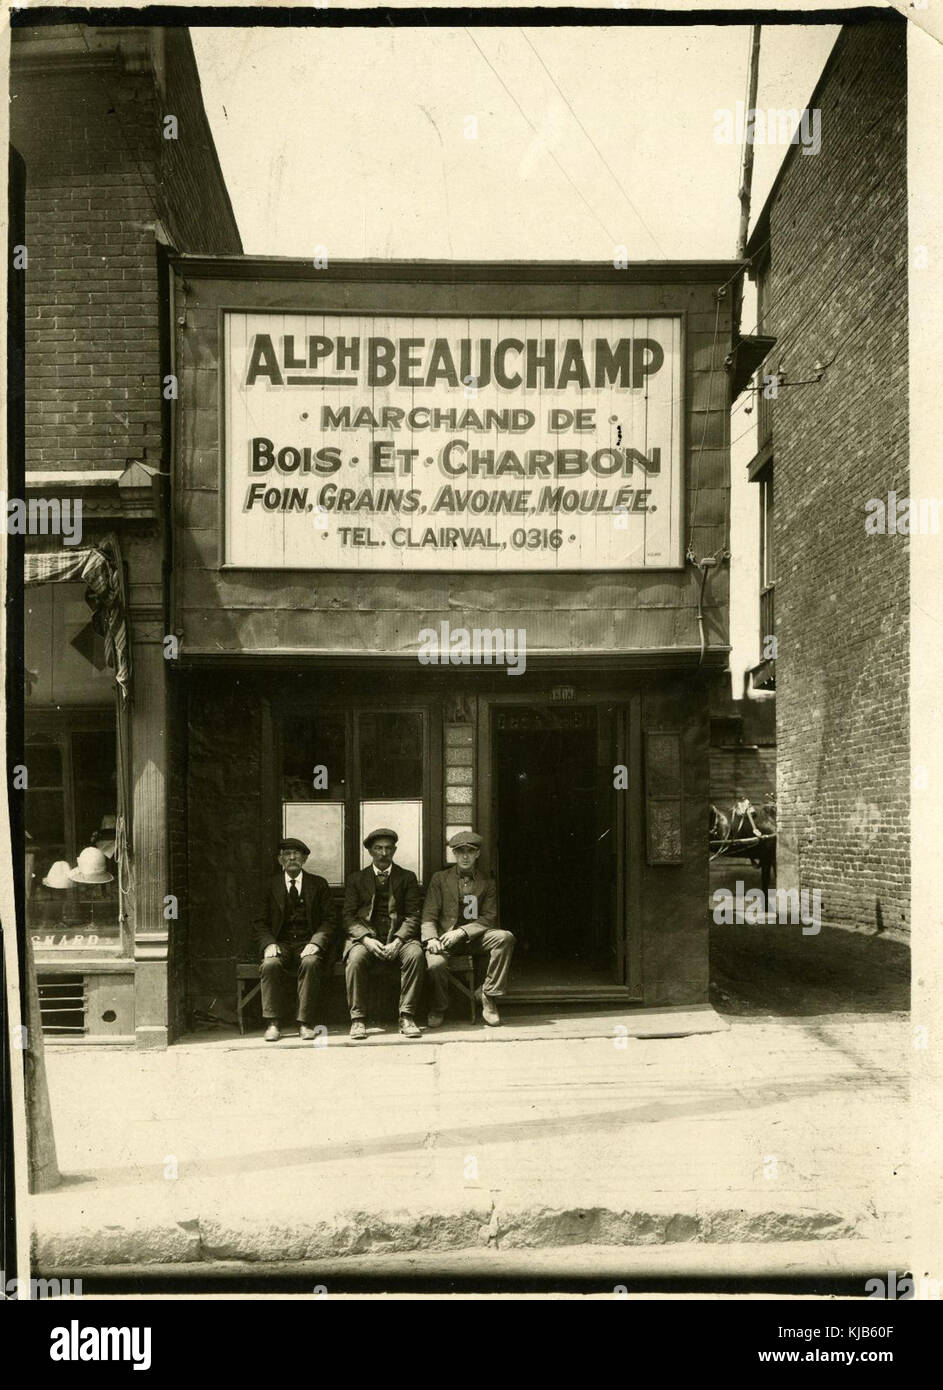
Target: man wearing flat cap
{"type": "Point", "coordinates": [381, 921]}
{"type": "Point", "coordinates": [294, 929]}
{"type": "Point", "coordinates": [461, 914]}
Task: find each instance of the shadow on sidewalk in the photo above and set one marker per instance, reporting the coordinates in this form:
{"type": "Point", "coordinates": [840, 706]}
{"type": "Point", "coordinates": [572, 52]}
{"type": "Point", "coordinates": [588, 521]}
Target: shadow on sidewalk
{"type": "Point", "coordinates": [720, 1101]}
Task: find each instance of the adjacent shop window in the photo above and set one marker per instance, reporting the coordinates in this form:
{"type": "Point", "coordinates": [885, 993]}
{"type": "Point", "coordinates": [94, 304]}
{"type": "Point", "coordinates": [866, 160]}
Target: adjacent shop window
{"type": "Point", "coordinates": [71, 811]}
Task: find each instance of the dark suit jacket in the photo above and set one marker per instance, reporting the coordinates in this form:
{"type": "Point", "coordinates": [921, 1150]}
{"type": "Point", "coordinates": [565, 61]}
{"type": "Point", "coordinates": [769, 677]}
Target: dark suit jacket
{"type": "Point", "coordinates": [445, 907]}
{"type": "Point", "coordinates": [405, 902]}
{"type": "Point", "coordinates": [319, 910]}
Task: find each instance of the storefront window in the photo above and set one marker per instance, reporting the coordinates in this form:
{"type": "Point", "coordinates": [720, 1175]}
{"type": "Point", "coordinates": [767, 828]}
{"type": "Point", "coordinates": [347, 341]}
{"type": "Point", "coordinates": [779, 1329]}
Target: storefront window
{"type": "Point", "coordinates": [390, 755]}
{"type": "Point", "coordinates": [314, 758]}
{"type": "Point", "coordinates": [314, 789]}
{"type": "Point", "coordinates": [71, 801]}
{"type": "Point", "coordinates": [344, 772]}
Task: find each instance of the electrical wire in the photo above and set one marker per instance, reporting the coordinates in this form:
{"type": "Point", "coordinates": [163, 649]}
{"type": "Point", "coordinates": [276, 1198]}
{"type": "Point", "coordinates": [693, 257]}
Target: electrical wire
{"type": "Point", "coordinates": [847, 337]}
{"type": "Point", "coordinates": [530, 123]}
{"type": "Point", "coordinates": [605, 161]}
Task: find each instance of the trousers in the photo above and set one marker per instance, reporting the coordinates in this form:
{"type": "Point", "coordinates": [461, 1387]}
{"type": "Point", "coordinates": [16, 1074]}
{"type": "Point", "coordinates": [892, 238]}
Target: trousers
{"type": "Point", "coordinates": [361, 965]}
{"type": "Point", "coordinates": [290, 985]}
{"type": "Point", "coordinates": [496, 944]}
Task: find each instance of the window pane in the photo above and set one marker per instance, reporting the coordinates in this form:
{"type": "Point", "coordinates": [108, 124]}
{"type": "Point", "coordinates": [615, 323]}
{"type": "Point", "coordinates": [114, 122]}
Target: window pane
{"type": "Point", "coordinates": [321, 827]}
{"type": "Point", "coordinates": [390, 756]}
{"type": "Point", "coordinates": [405, 818]}
{"type": "Point", "coordinates": [769, 554]}
{"type": "Point", "coordinates": [311, 743]}
{"type": "Point", "coordinates": [44, 764]}
{"type": "Point", "coordinates": [64, 915]}
{"type": "Point", "coordinates": [45, 818]}
{"type": "Point", "coordinates": [94, 770]}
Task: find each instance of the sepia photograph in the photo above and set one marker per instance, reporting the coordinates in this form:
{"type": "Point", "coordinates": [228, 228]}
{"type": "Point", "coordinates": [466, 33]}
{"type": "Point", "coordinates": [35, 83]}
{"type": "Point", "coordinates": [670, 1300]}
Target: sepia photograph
{"type": "Point", "coordinates": [472, 563]}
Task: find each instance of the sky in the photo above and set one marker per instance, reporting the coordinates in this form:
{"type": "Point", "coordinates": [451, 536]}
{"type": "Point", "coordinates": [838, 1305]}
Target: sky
{"type": "Point", "coordinates": [500, 143]}
{"type": "Point", "coordinates": [493, 143]}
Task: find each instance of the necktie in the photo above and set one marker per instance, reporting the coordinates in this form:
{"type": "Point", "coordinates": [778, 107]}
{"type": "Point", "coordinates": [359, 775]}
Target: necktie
{"type": "Point", "coordinates": [294, 897]}
{"type": "Point", "coordinates": [383, 877]}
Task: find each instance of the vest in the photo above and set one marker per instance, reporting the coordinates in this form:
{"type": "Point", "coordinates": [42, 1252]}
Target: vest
{"type": "Point", "coordinates": [295, 919]}
{"type": "Point", "coordinates": [380, 919]}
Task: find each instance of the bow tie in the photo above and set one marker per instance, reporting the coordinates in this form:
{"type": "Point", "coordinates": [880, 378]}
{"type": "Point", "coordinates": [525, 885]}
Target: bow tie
{"type": "Point", "coordinates": [383, 875]}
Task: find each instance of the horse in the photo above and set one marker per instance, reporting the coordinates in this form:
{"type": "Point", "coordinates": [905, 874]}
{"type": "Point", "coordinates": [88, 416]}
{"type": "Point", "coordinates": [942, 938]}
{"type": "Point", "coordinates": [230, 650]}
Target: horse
{"type": "Point", "coordinates": [718, 827]}
{"type": "Point", "coordinates": [747, 832]}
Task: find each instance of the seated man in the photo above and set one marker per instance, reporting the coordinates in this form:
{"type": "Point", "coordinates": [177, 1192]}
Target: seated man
{"type": "Point", "coordinates": [294, 927]}
{"type": "Point", "coordinates": [381, 919]}
{"type": "Point", "coordinates": [461, 913]}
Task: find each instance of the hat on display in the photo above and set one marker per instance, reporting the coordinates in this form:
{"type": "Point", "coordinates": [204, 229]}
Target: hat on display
{"type": "Point", "coordinates": [90, 867]}
{"type": "Point", "coordinates": [384, 832]}
{"type": "Point", "coordinates": [57, 875]}
{"type": "Point", "coordinates": [104, 837]}
{"type": "Point", "coordinates": [465, 839]}
{"type": "Point", "coordinates": [290, 843]}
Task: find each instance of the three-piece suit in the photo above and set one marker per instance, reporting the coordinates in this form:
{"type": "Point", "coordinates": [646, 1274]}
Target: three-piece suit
{"type": "Point", "coordinates": [291, 983]}
{"type": "Point", "coordinates": [387, 909]}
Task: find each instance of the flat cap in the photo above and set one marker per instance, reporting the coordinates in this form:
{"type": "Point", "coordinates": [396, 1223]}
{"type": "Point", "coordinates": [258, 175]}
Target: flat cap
{"type": "Point", "coordinates": [294, 844]}
{"type": "Point", "coordinates": [376, 834]}
{"type": "Point", "coordinates": [465, 837]}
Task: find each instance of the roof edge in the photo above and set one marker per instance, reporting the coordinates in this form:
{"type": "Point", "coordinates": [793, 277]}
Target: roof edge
{"type": "Point", "coordinates": [247, 266]}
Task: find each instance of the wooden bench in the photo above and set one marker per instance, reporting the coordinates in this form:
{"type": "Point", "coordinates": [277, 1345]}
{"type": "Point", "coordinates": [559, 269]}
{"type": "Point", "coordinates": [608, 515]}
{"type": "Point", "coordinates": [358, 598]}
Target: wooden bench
{"type": "Point", "coordinates": [249, 983]}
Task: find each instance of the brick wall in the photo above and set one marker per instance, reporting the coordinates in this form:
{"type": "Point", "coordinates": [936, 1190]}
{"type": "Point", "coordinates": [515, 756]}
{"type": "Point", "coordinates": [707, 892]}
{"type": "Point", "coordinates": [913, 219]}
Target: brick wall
{"type": "Point", "coordinates": [103, 187]}
{"type": "Point", "coordinates": [838, 285]}
{"type": "Point", "coordinates": [197, 208]}
{"type": "Point", "coordinates": [750, 768]}
{"type": "Point", "coordinates": [92, 353]}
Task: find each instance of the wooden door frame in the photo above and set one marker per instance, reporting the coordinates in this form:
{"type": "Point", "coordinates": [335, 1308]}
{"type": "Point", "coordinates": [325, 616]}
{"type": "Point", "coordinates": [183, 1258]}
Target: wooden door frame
{"type": "Point", "coordinates": [629, 824]}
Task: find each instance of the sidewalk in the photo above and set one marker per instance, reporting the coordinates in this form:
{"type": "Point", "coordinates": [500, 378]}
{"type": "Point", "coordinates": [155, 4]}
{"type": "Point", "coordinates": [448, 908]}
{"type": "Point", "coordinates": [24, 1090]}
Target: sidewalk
{"type": "Point", "coordinates": [771, 1130]}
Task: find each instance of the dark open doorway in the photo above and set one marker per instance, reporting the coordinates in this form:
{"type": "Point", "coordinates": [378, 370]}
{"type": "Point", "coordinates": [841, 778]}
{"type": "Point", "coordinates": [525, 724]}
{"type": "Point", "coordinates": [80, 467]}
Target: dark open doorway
{"type": "Point", "coordinates": [551, 852]}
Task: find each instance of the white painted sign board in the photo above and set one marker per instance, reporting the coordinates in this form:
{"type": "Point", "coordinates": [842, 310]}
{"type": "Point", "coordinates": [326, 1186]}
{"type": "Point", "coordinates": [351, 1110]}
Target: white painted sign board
{"type": "Point", "coordinates": [361, 442]}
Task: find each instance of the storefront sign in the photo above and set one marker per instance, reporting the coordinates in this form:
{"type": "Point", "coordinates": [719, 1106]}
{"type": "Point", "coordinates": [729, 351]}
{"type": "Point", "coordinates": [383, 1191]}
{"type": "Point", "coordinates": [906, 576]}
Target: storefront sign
{"type": "Point", "coordinates": [360, 442]}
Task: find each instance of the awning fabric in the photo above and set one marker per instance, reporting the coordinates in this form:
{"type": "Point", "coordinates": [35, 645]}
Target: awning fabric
{"type": "Point", "coordinates": [99, 567]}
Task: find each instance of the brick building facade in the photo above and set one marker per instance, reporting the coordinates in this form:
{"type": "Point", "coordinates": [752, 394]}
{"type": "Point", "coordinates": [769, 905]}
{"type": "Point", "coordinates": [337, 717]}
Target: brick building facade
{"type": "Point", "coordinates": [829, 252]}
{"type": "Point", "coordinates": [134, 265]}
{"type": "Point", "coordinates": [108, 197]}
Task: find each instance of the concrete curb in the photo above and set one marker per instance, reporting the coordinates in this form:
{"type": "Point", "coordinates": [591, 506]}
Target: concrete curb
{"type": "Point", "coordinates": [271, 1233]}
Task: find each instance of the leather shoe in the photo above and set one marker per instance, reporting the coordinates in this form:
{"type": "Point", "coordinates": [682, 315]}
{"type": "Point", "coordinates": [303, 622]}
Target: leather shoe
{"type": "Point", "coordinates": [489, 1010]}
{"type": "Point", "coordinates": [358, 1030]}
{"type": "Point", "coordinates": [408, 1027]}
{"type": "Point", "coordinates": [308, 1034]}
{"type": "Point", "coordinates": [273, 1032]}
{"type": "Point", "coordinates": [435, 1020]}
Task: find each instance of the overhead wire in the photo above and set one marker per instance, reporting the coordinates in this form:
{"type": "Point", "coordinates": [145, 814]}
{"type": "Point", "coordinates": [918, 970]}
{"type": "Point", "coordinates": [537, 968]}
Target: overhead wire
{"type": "Point", "coordinates": [530, 123]}
{"type": "Point", "coordinates": [608, 166]}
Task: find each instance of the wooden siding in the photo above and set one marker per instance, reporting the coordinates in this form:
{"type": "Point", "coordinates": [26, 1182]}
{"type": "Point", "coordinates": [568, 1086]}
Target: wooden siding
{"type": "Point", "coordinates": [293, 612]}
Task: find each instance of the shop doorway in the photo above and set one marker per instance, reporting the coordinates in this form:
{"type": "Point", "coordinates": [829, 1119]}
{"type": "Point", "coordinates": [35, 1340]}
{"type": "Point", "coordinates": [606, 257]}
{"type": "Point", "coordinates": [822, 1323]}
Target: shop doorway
{"type": "Point", "coordinates": [554, 847]}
